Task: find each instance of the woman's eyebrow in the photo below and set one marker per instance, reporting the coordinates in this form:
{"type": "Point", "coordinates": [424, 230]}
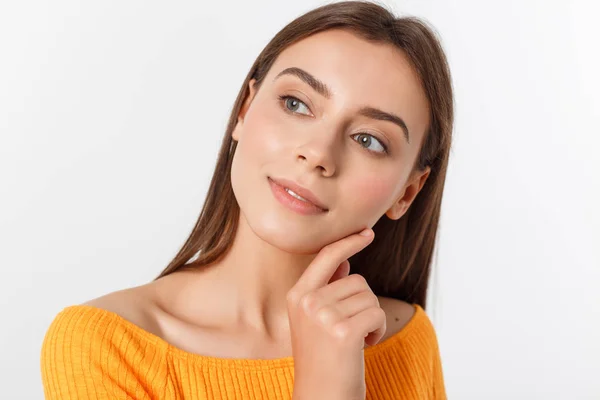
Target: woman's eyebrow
{"type": "Point", "coordinates": [324, 90]}
{"type": "Point", "coordinates": [315, 83]}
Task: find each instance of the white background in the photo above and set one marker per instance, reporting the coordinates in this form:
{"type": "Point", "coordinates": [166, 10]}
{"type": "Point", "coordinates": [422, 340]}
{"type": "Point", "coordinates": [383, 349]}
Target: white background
{"type": "Point", "coordinates": [111, 115]}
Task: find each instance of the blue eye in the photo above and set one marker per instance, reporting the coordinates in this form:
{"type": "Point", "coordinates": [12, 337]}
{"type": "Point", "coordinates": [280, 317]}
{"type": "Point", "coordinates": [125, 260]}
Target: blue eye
{"type": "Point", "coordinates": [292, 104]}
{"type": "Point", "coordinates": [368, 139]}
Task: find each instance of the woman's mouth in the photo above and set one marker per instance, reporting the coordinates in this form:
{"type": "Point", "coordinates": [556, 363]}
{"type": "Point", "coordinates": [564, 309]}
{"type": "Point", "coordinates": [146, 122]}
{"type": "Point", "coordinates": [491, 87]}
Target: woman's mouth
{"type": "Point", "coordinates": [294, 201]}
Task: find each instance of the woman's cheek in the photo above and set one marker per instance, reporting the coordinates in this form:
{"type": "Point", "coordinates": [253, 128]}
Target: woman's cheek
{"type": "Point", "coordinates": [267, 134]}
{"type": "Point", "coordinates": [372, 195]}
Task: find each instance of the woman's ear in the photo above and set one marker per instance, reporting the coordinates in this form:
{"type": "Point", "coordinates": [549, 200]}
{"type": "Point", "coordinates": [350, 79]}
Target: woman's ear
{"type": "Point", "coordinates": [399, 208]}
{"type": "Point", "coordinates": [243, 110]}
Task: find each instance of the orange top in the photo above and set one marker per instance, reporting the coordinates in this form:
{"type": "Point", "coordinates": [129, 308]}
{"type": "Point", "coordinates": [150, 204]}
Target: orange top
{"type": "Point", "coordinates": [92, 353]}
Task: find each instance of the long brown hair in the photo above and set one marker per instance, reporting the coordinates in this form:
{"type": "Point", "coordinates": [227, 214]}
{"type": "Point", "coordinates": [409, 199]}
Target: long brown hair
{"type": "Point", "coordinates": [398, 262]}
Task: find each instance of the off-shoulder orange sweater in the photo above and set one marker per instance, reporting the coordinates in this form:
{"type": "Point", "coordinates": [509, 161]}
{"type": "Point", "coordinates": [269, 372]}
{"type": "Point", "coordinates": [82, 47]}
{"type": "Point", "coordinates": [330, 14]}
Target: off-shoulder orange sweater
{"type": "Point", "coordinates": [92, 353]}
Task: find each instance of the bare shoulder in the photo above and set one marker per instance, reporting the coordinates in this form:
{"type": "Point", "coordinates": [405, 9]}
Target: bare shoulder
{"type": "Point", "coordinates": [134, 304]}
{"type": "Point", "coordinates": [398, 314]}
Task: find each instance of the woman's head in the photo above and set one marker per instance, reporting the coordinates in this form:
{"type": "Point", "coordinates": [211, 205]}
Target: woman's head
{"type": "Point", "coordinates": [357, 106]}
{"type": "Point", "coordinates": [351, 138]}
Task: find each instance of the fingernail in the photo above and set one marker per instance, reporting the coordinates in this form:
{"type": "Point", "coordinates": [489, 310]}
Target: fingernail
{"type": "Point", "coordinates": [366, 232]}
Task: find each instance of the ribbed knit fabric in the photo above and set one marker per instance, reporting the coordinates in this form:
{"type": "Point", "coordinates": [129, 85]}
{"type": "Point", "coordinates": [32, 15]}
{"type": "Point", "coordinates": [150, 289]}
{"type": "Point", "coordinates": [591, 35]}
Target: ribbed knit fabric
{"type": "Point", "coordinates": [92, 353]}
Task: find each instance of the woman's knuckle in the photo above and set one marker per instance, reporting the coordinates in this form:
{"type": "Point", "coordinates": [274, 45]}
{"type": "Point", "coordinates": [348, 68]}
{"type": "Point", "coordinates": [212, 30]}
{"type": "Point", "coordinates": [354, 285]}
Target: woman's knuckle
{"type": "Point", "coordinates": [373, 300]}
{"type": "Point", "coordinates": [379, 313]}
{"type": "Point", "coordinates": [292, 297]}
{"type": "Point", "coordinates": [341, 330]}
{"type": "Point", "coordinates": [308, 302]}
{"type": "Point", "coordinates": [326, 315]}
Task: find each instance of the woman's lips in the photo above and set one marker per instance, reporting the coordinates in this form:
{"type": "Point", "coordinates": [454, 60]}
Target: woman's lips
{"type": "Point", "coordinates": [301, 191]}
{"type": "Point", "coordinates": [294, 204]}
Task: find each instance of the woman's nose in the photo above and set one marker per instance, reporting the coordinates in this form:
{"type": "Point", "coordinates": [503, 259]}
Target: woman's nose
{"type": "Point", "coordinates": [318, 153]}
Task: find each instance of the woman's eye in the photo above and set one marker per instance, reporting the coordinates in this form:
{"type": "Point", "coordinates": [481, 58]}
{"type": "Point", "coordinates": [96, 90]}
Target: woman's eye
{"type": "Point", "coordinates": [365, 138]}
{"type": "Point", "coordinates": [292, 104]}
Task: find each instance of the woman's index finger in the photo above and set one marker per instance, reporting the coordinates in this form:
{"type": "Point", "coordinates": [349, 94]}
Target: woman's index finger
{"type": "Point", "coordinates": [322, 268]}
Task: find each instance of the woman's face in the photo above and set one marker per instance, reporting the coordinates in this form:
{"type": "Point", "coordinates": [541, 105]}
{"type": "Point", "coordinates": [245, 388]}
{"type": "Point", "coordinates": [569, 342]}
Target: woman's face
{"type": "Point", "coordinates": [357, 163]}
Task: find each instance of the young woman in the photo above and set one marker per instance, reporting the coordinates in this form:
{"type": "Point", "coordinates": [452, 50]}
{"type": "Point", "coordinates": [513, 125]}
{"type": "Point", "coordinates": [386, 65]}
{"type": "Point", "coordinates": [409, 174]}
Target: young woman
{"type": "Point", "coordinates": [342, 125]}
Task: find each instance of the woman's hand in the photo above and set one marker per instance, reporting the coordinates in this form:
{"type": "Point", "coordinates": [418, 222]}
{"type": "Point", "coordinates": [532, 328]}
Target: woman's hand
{"type": "Point", "coordinates": [332, 316]}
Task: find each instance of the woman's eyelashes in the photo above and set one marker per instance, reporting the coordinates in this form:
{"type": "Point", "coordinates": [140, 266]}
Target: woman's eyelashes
{"type": "Point", "coordinates": [292, 104]}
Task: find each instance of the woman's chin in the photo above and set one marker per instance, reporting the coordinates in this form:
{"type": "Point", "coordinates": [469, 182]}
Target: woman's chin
{"type": "Point", "coordinates": [296, 241]}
